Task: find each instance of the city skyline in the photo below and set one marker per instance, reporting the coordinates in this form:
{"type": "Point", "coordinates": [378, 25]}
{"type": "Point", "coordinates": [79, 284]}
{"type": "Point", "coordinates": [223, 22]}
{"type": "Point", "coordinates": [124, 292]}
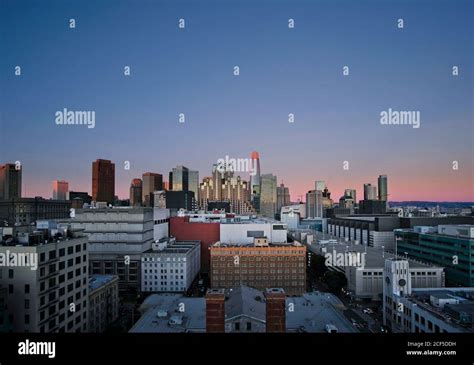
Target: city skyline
{"type": "Point", "coordinates": [282, 71]}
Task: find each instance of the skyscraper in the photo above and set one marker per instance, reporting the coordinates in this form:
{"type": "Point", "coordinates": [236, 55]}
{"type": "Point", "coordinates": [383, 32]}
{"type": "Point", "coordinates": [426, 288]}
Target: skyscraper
{"type": "Point", "coordinates": [283, 197]}
{"type": "Point", "coordinates": [314, 204]}
{"type": "Point", "coordinates": [179, 178]}
{"type": "Point", "coordinates": [193, 183]}
{"type": "Point", "coordinates": [10, 181]}
{"type": "Point", "coordinates": [319, 185]}
{"type": "Point", "coordinates": [370, 192]}
{"type": "Point", "coordinates": [352, 193]}
{"type": "Point", "coordinates": [103, 181]}
{"type": "Point", "coordinates": [383, 188]}
{"type": "Point", "coordinates": [268, 195]}
{"type": "Point", "coordinates": [255, 181]}
{"type": "Point", "coordinates": [237, 192]}
{"type": "Point", "coordinates": [151, 182]}
{"type": "Point", "coordinates": [60, 190]}
{"type": "Point", "coordinates": [136, 191]}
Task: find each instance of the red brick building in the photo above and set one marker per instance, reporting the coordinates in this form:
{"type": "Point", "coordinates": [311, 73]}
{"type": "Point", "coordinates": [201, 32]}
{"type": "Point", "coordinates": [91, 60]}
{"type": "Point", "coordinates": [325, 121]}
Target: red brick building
{"type": "Point", "coordinates": [206, 232]}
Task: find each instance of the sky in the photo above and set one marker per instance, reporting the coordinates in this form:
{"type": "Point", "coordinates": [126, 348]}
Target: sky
{"type": "Point", "coordinates": [282, 71]}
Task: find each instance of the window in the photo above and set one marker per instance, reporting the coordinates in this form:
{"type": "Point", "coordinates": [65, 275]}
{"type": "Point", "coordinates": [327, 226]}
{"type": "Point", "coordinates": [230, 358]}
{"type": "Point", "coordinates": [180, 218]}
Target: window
{"type": "Point", "coordinates": [237, 326]}
{"type": "Point", "coordinates": [27, 288]}
{"type": "Point", "coordinates": [10, 273]}
{"type": "Point", "coordinates": [249, 326]}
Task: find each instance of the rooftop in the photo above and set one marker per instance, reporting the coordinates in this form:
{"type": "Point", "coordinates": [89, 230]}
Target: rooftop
{"type": "Point", "coordinates": [97, 281]}
{"type": "Point", "coordinates": [172, 313]}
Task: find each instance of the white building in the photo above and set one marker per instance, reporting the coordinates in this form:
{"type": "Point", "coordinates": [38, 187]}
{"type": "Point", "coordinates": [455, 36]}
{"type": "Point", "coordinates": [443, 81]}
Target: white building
{"type": "Point", "coordinates": [170, 265]}
{"type": "Point", "coordinates": [244, 231]}
{"type": "Point", "coordinates": [425, 310]}
{"type": "Point", "coordinates": [161, 219]}
{"type": "Point", "coordinates": [48, 288]}
{"type": "Point", "coordinates": [117, 238]}
{"type": "Point", "coordinates": [366, 281]}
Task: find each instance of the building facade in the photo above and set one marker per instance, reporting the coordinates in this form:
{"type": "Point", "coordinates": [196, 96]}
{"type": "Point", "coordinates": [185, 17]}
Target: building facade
{"type": "Point", "coordinates": [170, 266]}
{"type": "Point", "coordinates": [103, 302]}
{"type": "Point", "coordinates": [103, 181]}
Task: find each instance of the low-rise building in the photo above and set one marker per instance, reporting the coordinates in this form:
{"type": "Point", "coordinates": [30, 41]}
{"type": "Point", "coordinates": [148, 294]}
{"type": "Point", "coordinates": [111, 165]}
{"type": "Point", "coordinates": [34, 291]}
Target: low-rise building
{"type": "Point", "coordinates": [170, 265]}
{"type": "Point", "coordinates": [363, 267]}
{"type": "Point", "coordinates": [259, 265]}
{"type": "Point", "coordinates": [424, 310]}
{"type": "Point", "coordinates": [242, 310]}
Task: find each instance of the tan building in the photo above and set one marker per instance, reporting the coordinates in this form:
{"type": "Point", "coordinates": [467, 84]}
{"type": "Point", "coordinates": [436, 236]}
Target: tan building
{"type": "Point", "coordinates": [260, 265]}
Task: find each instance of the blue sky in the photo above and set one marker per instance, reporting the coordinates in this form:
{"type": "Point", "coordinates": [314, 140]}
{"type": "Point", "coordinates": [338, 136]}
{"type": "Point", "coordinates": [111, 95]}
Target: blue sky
{"type": "Point", "coordinates": [281, 71]}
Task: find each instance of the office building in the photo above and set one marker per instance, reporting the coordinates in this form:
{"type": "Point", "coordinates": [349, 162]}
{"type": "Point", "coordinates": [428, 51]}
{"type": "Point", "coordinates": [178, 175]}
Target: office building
{"type": "Point", "coordinates": [319, 185]}
{"type": "Point", "coordinates": [370, 192]}
{"type": "Point", "coordinates": [204, 228]}
{"type": "Point", "coordinates": [79, 198]}
{"type": "Point", "coordinates": [176, 200]}
{"type": "Point", "coordinates": [117, 238]}
{"type": "Point", "coordinates": [283, 198]}
{"type": "Point", "coordinates": [136, 193]}
{"type": "Point", "coordinates": [103, 181]}
{"type": "Point", "coordinates": [352, 193]}
{"type": "Point", "coordinates": [179, 178]}
{"type": "Point", "coordinates": [26, 211]}
{"type": "Point", "coordinates": [60, 190]}
{"type": "Point", "coordinates": [49, 293]}
{"type": "Point", "coordinates": [170, 265]}
{"type": "Point", "coordinates": [450, 246]}
{"type": "Point", "coordinates": [268, 195]}
{"type": "Point", "coordinates": [424, 310]}
{"type": "Point", "coordinates": [103, 302]}
{"type": "Point", "coordinates": [363, 267]}
{"type": "Point", "coordinates": [236, 192]}
{"type": "Point", "coordinates": [151, 182]}
{"type": "Point", "coordinates": [378, 231]}
{"type": "Point", "coordinates": [259, 265]}
{"type": "Point", "coordinates": [372, 207]}
{"type": "Point", "coordinates": [314, 204]}
{"type": "Point", "coordinates": [10, 181]}
{"type": "Point", "coordinates": [383, 188]}
{"type": "Point", "coordinates": [255, 182]}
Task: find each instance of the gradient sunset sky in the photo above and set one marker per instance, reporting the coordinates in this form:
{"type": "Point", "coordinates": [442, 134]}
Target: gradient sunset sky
{"type": "Point", "coordinates": [282, 71]}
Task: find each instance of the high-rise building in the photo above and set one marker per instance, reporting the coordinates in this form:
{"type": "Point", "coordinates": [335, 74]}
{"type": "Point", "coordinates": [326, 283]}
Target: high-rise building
{"type": "Point", "coordinates": [151, 182]}
{"type": "Point", "coordinates": [236, 191]}
{"type": "Point", "coordinates": [255, 181]}
{"type": "Point", "coordinates": [352, 193]}
{"type": "Point", "coordinates": [60, 190]}
{"type": "Point", "coordinates": [179, 178]}
{"type": "Point", "coordinates": [136, 191]}
{"type": "Point", "coordinates": [283, 197]}
{"type": "Point", "coordinates": [383, 188]}
{"type": "Point", "coordinates": [193, 183]}
{"type": "Point", "coordinates": [314, 204]}
{"type": "Point", "coordinates": [319, 185]}
{"type": "Point", "coordinates": [370, 192]}
{"type": "Point", "coordinates": [10, 181]}
{"type": "Point", "coordinates": [103, 181]}
{"type": "Point", "coordinates": [268, 195]}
